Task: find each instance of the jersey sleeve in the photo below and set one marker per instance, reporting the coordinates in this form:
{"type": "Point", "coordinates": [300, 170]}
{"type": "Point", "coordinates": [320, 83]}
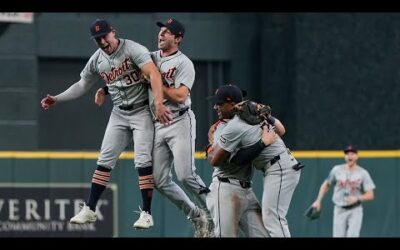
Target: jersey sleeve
{"type": "Point", "coordinates": [368, 183]}
{"type": "Point", "coordinates": [90, 72]}
{"type": "Point", "coordinates": [139, 54]}
{"type": "Point", "coordinates": [230, 137]}
{"type": "Point", "coordinates": [185, 74]}
{"type": "Point", "coordinates": [331, 179]}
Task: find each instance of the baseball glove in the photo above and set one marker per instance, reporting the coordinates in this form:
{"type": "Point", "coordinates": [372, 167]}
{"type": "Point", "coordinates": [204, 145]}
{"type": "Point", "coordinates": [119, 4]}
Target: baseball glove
{"type": "Point", "coordinates": [312, 213]}
{"type": "Point", "coordinates": [251, 112]}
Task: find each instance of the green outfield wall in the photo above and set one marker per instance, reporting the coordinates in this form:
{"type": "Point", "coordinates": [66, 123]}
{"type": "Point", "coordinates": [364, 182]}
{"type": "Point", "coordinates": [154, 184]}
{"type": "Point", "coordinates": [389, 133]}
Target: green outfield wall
{"type": "Point", "coordinates": [32, 200]}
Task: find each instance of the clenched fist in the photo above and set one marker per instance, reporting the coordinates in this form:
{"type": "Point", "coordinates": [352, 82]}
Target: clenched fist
{"type": "Point", "coordinates": [48, 101]}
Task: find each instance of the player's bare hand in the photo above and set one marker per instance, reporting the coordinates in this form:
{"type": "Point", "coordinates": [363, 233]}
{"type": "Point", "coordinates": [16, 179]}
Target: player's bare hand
{"type": "Point", "coordinates": [163, 114]}
{"type": "Point", "coordinates": [268, 136]}
{"type": "Point", "coordinates": [317, 205]}
{"type": "Point", "coordinates": [99, 97]}
{"type": "Point", "coordinates": [48, 101]}
{"type": "Point", "coordinates": [351, 199]}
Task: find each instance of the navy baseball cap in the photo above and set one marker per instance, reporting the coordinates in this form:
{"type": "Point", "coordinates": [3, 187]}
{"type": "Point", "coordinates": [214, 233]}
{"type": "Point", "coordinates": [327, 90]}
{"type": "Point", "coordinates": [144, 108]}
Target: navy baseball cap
{"type": "Point", "coordinates": [350, 148]}
{"type": "Point", "coordinates": [174, 26]}
{"type": "Point", "coordinates": [100, 27]}
{"type": "Point", "coordinates": [227, 93]}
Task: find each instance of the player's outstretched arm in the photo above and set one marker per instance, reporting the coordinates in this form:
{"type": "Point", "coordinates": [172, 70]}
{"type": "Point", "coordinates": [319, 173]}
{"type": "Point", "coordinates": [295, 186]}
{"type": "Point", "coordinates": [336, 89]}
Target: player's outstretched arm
{"type": "Point", "coordinates": [76, 90]}
{"type": "Point", "coordinates": [150, 70]}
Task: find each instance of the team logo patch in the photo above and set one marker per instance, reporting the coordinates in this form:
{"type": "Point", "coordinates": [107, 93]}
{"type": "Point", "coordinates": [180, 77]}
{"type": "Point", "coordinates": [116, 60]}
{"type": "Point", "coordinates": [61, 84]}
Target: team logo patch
{"type": "Point", "coordinates": [222, 139]}
{"type": "Point", "coordinates": [97, 28]}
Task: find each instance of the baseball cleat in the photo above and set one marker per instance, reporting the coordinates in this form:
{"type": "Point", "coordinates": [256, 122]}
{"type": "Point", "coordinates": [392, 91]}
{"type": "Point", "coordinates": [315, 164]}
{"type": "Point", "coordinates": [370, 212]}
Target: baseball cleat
{"type": "Point", "coordinates": [200, 224]}
{"type": "Point", "coordinates": [145, 221]}
{"type": "Point", "coordinates": [86, 215]}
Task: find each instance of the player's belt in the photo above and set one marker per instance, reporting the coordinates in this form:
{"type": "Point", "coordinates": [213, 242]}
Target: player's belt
{"type": "Point", "coordinates": [183, 111]}
{"type": "Point", "coordinates": [352, 205]}
{"type": "Point", "coordinates": [243, 184]}
{"type": "Point", "coordinates": [134, 106]}
{"type": "Point", "coordinates": [275, 159]}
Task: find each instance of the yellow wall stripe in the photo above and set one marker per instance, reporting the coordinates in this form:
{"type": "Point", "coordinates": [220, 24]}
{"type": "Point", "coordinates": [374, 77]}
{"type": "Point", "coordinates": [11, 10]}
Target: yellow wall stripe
{"type": "Point", "coordinates": [198, 155]}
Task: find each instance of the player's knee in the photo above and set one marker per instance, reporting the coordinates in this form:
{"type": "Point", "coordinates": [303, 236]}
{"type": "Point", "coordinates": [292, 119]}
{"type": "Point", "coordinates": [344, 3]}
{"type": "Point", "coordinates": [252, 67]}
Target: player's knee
{"type": "Point", "coordinates": [184, 177]}
{"type": "Point", "coordinates": [159, 183]}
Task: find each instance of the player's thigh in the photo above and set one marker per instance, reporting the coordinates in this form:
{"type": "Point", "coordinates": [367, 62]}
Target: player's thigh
{"type": "Point", "coordinates": [182, 145]}
{"type": "Point", "coordinates": [228, 204]}
{"type": "Point", "coordinates": [355, 222]}
{"type": "Point", "coordinates": [340, 222]}
{"type": "Point", "coordinates": [143, 136]}
{"type": "Point", "coordinates": [279, 185]}
{"type": "Point", "coordinates": [162, 163]}
{"type": "Point", "coordinates": [251, 222]}
{"type": "Point", "coordinates": [116, 138]}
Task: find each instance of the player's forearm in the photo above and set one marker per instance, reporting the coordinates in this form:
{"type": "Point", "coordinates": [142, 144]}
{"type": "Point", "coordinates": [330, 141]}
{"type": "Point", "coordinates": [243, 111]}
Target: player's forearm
{"type": "Point", "coordinates": [156, 87]}
{"type": "Point", "coordinates": [174, 95]}
{"type": "Point", "coordinates": [367, 196]}
{"type": "Point", "coordinates": [322, 191]}
{"type": "Point", "coordinates": [279, 128]}
{"type": "Point", "coordinates": [76, 90]}
{"type": "Point", "coordinates": [246, 155]}
{"type": "Point", "coordinates": [218, 156]}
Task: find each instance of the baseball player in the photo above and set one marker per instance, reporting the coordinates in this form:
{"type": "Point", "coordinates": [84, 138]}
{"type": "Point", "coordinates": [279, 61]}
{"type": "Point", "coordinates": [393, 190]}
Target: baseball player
{"type": "Point", "coordinates": [174, 144]}
{"type": "Point", "coordinates": [232, 202]}
{"type": "Point", "coordinates": [281, 169]}
{"type": "Point", "coordinates": [353, 185]}
{"type": "Point", "coordinates": [121, 63]}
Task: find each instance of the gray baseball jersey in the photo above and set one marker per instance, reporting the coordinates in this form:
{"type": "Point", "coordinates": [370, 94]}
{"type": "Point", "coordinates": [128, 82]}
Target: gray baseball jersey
{"type": "Point", "coordinates": [122, 74]}
{"type": "Point", "coordinates": [174, 145]}
{"type": "Point", "coordinates": [176, 70]}
{"type": "Point", "coordinates": [232, 206]}
{"type": "Point", "coordinates": [280, 179]}
{"type": "Point", "coordinates": [347, 220]}
{"type": "Point", "coordinates": [243, 173]}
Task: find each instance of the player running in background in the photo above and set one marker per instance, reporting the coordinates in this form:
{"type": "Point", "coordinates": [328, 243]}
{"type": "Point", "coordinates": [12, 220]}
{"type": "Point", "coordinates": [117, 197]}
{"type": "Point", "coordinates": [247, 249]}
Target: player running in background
{"type": "Point", "coordinates": [353, 185]}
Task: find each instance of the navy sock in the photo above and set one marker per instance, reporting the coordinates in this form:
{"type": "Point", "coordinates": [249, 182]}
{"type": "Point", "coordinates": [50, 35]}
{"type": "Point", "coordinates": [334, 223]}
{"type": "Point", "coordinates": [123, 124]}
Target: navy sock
{"type": "Point", "coordinates": [146, 185]}
{"type": "Point", "coordinates": [101, 177]}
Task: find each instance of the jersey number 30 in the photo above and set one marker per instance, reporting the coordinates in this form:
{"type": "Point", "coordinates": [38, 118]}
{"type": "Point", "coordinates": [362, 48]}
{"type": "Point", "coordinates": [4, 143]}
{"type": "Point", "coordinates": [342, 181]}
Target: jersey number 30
{"type": "Point", "coordinates": [132, 78]}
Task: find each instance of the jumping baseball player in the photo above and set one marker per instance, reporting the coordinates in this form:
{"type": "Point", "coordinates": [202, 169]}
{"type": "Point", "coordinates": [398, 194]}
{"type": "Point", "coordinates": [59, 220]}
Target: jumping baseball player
{"type": "Point", "coordinates": [281, 173]}
{"type": "Point", "coordinates": [174, 144]}
{"type": "Point", "coordinates": [121, 63]}
{"type": "Point", "coordinates": [232, 202]}
{"type": "Point", "coordinates": [353, 185]}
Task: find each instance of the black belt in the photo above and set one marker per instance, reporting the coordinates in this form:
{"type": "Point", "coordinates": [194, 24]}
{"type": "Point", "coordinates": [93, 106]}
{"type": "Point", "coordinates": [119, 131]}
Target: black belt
{"type": "Point", "coordinates": [296, 167]}
{"type": "Point", "coordinates": [243, 184]}
{"type": "Point", "coordinates": [134, 106]}
{"type": "Point", "coordinates": [183, 111]}
{"type": "Point", "coordinates": [352, 205]}
{"type": "Point", "coordinates": [274, 160]}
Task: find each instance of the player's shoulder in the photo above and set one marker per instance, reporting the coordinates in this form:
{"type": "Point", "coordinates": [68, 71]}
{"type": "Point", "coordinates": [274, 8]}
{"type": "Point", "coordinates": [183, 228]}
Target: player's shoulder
{"type": "Point", "coordinates": [95, 56]}
{"type": "Point", "coordinates": [361, 169]}
{"type": "Point", "coordinates": [340, 167]}
{"type": "Point", "coordinates": [132, 44]}
{"type": "Point", "coordinates": [184, 59]}
{"type": "Point", "coordinates": [237, 124]}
